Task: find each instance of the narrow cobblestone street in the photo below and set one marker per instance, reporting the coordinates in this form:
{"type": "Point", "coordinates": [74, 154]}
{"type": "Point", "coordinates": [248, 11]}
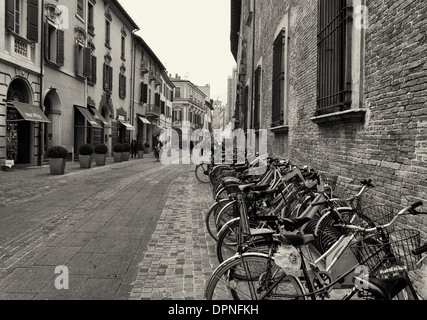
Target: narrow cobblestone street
{"type": "Point", "coordinates": [130, 230]}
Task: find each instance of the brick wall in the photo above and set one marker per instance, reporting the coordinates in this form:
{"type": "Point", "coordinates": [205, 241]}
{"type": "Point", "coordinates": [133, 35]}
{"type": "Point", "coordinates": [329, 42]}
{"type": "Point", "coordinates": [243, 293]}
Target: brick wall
{"type": "Point", "coordinates": [390, 145]}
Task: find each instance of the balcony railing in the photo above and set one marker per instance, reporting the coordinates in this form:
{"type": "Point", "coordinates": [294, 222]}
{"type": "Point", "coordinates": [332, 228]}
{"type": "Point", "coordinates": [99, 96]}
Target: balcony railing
{"type": "Point", "coordinates": [21, 46]}
{"type": "Point", "coordinates": [152, 110]}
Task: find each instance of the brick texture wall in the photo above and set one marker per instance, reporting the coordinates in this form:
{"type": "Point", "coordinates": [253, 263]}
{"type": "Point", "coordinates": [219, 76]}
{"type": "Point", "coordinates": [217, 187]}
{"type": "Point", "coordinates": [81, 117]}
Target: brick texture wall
{"type": "Point", "coordinates": [390, 145]}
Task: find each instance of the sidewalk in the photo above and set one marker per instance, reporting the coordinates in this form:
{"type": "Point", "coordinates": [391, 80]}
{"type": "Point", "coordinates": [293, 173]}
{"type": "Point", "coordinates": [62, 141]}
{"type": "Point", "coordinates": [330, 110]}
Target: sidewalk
{"type": "Point", "coordinates": [181, 255]}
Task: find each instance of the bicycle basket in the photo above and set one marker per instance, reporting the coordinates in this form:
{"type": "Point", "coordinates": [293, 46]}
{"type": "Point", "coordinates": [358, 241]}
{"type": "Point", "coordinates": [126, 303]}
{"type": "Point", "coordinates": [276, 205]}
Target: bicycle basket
{"type": "Point", "coordinates": [383, 258]}
{"type": "Point", "coordinates": [375, 215]}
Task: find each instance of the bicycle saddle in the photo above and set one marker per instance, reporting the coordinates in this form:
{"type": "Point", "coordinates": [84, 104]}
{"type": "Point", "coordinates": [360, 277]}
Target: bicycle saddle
{"type": "Point", "coordinates": [297, 239]}
{"type": "Point", "coordinates": [384, 288]}
{"type": "Point", "coordinates": [294, 224]}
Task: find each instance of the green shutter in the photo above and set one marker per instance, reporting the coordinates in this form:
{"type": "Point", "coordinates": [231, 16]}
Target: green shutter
{"type": "Point", "coordinates": [10, 15]}
{"type": "Point", "coordinates": [60, 48]}
{"type": "Point", "coordinates": [33, 20]}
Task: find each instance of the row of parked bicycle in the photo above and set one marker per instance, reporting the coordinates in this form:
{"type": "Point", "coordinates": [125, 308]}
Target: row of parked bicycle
{"type": "Point", "coordinates": [285, 234]}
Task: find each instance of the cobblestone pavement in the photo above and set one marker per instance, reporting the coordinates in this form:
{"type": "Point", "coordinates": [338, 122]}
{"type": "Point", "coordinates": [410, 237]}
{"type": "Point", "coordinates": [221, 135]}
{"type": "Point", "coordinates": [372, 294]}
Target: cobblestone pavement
{"type": "Point", "coordinates": [181, 255]}
{"type": "Point", "coordinates": [127, 230]}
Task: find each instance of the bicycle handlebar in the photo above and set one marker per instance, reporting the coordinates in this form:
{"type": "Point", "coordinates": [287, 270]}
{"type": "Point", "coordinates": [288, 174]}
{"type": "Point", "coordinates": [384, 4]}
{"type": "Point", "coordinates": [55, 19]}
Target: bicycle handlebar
{"type": "Point", "coordinates": [410, 209]}
{"type": "Point", "coordinates": [420, 250]}
{"type": "Point", "coordinates": [366, 185]}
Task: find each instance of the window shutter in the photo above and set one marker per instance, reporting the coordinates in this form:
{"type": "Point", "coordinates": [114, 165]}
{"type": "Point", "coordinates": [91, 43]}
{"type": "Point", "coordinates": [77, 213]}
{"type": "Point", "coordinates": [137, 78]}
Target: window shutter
{"type": "Point", "coordinates": [93, 69]}
{"type": "Point", "coordinates": [10, 14]}
{"type": "Point", "coordinates": [76, 59]}
{"type": "Point", "coordinates": [33, 20]}
{"type": "Point", "coordinates": [46, 42]}
{"type": "Point", "coordinates": [87, 57]}
{"type": "Point", "coordinates": [145, 93]}
{"type": "Point", "coordinates": [106, 77]}
{"type": "Point", "coordinates": [60, 48]}
{"type": "Point", "coordinates": [110, 78]}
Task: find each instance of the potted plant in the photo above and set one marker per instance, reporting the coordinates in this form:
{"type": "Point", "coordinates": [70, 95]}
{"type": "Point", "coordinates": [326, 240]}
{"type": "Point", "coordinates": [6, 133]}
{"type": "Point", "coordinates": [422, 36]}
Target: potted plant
{"type": "Point", "coordinates": [101, 151]}
{"type": "Point", "coordinates": [147, 147]}
{"type": "Point", "coordinates": [85, 156]}
{"type": "Point", "coordinates": [126, 152]}
{"type": "Point", "coordinates": [117, 152]}
{"type": "Point", "coordinates": [140, 150]}
{"type": "Point", "coordinates": [57, 156]}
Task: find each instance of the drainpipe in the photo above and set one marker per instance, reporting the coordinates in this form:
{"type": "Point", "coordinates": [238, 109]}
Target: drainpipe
{"type": "Point", "coordinates": [41, 125]}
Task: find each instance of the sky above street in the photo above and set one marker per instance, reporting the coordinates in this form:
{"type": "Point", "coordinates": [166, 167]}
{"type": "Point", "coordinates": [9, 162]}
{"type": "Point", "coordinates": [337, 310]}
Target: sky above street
{"type": "Point", "coordinates": [190, 37]}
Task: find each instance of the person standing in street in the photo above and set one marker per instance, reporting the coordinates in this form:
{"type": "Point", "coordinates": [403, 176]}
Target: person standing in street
{"type": "Point", "coordinates": [133, 146]}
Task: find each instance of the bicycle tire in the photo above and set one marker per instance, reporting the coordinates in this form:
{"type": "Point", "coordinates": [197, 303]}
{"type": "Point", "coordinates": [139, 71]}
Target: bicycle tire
{"type": "Point", "coordinates": [202, 173]}
{"type": "Point", "coordinates": [241, 278]}
{"type": "Point", "coordinates": [212, 214]}
{"type": "Point", "coordinates": [226, 246]}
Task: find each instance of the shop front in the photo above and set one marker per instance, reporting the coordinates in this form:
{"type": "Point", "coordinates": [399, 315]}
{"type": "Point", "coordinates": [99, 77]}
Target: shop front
{"type": "Point", "coordinates": [86, 128]}
{"type": "Point", "coordinates": [23, 129]}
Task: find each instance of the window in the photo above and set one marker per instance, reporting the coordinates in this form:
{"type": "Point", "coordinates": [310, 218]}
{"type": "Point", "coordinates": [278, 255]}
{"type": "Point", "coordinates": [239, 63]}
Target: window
{"type": "Point", "coordinates": [122, 86]}
{"type": "Point", "coordinates": [54, 45]}
{"type": "Point", "coordinates": [80, 8]}
{"type": "Point", "coordinates": [162, 108]}
{"type": "Point", "coordinates": [144, 93]}
{"type": "Point", "coordinates": [91, 25]}
{"type": "Point", "coordinates": [246, 108]}
{"type": "Point", "coordinates": [108, 78]}
{"type": "Point", "coordinates": [83, 61]}
{"type": "Point", "coordinates": [177, 92]}
{"type": "Point", "coordinates": [257, 101]}
{"type": "Point", "coordinates": [279, 60]}
{"type": "Point", "coordinates": [107, 34]}
{"type": "Point", "coordinates": [334, 56]}
{"type": "Point", "coordinates": [15, 20]}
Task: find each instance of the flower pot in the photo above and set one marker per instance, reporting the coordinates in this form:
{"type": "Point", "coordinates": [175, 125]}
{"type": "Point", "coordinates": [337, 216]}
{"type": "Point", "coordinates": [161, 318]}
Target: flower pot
{"type": "Point", "coordinates": [57, 166]}
{"type": "Point", "coordinates": [100, 159]}
{"type": "Point", "coordinates": [146, 150]}
{"type": "Point", "coordinates": [125, 156]}
{"type": "Point", "coordinates": [85, 161]}
{"type": "Point", "coordinates": [140, 154]}
{"type": "Point", "coordinates": [117, 156]}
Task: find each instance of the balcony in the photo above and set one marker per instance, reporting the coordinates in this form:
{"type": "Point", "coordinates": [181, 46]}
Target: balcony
{"type": "Point", "coordinates": [152, 76]}
{"type": "Point", "coordinates": [21, 47]}
{"type": "Point", "coordinates": [177, 124]}
{"type": "Point", "coordinates": [144, 69]}
{"type": "Point", "coordinates": [152, 111]}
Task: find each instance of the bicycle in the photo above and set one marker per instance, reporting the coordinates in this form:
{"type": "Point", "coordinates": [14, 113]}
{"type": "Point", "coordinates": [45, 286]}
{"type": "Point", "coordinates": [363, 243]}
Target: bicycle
{"type": "Point", "coordinates": [257, 276]}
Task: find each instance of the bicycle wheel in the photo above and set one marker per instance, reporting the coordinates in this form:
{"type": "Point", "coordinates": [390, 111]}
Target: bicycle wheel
{"type": "Point", "coordinates": [202, 172]}
{"type": "Point", "coordinates": [227, 244]}
{"type": "Point", "coordinates": [211, 216]}
{"type": "Point", "coordinates": [249, 277]}
{"type": "Point", "coordinates": [230, 211]}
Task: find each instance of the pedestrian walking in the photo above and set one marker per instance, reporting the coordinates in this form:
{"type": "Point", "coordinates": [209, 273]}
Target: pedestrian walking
{"type": "Point", "coordinates": [133, 147]}
{"type": "Point", "coordinates": [157, 148]}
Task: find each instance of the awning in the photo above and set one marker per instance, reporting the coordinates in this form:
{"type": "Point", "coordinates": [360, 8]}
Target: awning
{"type": "Point", "coordinates": [30, 112]}
{"type": "Point", "coordinates": [98, 116]}
{"type": "Point", "coordinates": [157, 129]}
{"type": "Point", "coordinates": [89, 117]}
{"type": "Point", "coordinates": [144, 120]}
{"type": "Point", "coordinates": [127, 125]}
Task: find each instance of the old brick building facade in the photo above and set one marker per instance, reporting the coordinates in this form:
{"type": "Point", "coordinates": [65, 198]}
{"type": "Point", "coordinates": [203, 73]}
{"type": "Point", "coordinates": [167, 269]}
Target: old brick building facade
{"type": "Point", "coordinates": [340, 86]}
